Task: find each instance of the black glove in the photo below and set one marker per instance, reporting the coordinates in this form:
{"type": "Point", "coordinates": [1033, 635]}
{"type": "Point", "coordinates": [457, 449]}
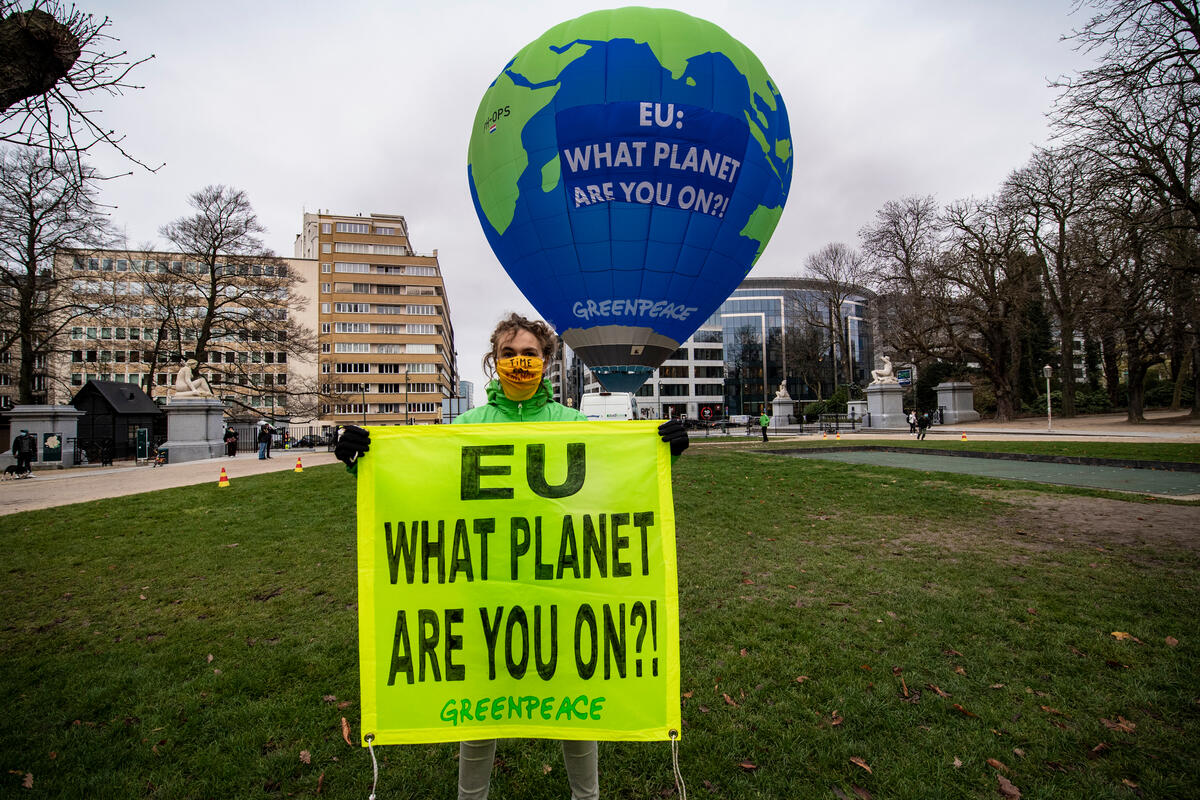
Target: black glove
{"type": "Point", "coordinates": [353, 442]}
{"type": "Point", "coordinates": [674, 434]}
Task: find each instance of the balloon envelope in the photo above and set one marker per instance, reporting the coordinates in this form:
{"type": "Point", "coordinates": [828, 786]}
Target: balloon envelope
{"type": "Point", "coordinates": [628, 167]}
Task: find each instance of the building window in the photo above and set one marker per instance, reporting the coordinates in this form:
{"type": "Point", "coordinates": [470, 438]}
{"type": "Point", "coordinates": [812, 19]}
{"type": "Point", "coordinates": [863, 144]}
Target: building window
{"type": "Point", "coordinates": [346, 266]}
{"type": "Point", "coordinates": [709, 389]}
{"type": "Point", "coordinates": [389, 369]}
{"type": "Point", "coordinates": [707, 354]}
{"type": "Point", "coordinates": [389, 249]}
{"type": "Point", "coordinates": [427, 271]}
{"type": "Point", "coordinates": [421, 328]}
{"type": "Point", "coordinates": [76, 378]}
{"type": "Point", "coordinates": [325, 267]}
{"type": "Point", "coordinates": [352, 367]}
{"type": "Point", "coordinates": [422, 388]}
{"type": "Point", "coordinates": [422, 408]}
{"type": "Point", "coordinates": [351, 308]}
{"type": "Point", "coordinates": [389, 349]}
{"type": "Point", "coordinates": [422, 368]}
{"type": "Point", "coordinates": [426, 311]}
{"type": "Point", "coordinates": [326, 247]}
{"type": "Point", "coordinates": [326, 227]}
{"type": "Point", "coordinates": [350, 347]}
{"type": "Point", "coordinates": [351, 327]}
{"type": "Point", "coordinates": [324, 347]}
{"type": "Point", "coordinates": [76, 333]}
{"type": "Point", "coordinates": [324, 308]}
{"type": "Point", "coordinates": [351, 247]}
{"type": "Point", "coordinates": [390, 408]}
{"type": "Point", "coordinates": [673, 372]}
{"type": "Point", "coordinates": [325, 287]}
{"type": "Point", "coordinates": [324, 327]}
{"type": "Point", "coordinates": [349, 408]}
{"type": "Point", "coordinates": [353, 227]}
{"type": "Point", "coordinates": [380, 230]}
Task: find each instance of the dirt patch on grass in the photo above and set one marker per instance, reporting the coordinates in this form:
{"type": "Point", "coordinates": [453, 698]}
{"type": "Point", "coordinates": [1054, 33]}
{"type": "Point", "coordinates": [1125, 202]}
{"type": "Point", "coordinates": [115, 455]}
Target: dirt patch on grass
{"type": "Point", "coordinates": [1094, 521]}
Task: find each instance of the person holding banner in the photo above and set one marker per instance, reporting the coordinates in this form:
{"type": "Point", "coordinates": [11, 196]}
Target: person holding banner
{"type": "Point", "coordinates": [520, 348]}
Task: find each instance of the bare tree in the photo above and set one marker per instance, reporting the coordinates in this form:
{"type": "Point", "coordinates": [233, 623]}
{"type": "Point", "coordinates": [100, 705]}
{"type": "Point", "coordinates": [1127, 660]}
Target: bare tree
{"type": "Point", "coordinates": [1138, 109]}
{"type": "Point", "coordinates": [987, 280]}
{"type": "Point", "coordinates": [237, 293]}
{"type": "Point", "coordinates": [1054, 192]}
{"type": "Point", "coordinates": [54, 62]}
{"type": "Point", "coordinates": [845, 275]}
{"type": "Point", "coordinates": [44, 207]}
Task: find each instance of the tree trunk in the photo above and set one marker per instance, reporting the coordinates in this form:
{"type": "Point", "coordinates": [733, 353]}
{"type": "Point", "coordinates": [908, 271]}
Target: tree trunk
{"type": "Point", "coordinates": [1112, 368]}
{"type": "Point", "coordinates": [1195, 378]}
{"type": "Point", "coordinates": [1136, 388]}
{"type": "Point", "coordinates": [1066, 366]}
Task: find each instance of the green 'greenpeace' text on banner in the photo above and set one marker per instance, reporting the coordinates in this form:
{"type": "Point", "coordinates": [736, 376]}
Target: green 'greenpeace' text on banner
{"type": "Point", "coordinates": [517, 581]}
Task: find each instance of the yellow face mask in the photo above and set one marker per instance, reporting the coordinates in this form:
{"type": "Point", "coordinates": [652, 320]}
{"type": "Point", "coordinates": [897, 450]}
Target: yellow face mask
{"type": "Point", "coordinates": [519, 376]}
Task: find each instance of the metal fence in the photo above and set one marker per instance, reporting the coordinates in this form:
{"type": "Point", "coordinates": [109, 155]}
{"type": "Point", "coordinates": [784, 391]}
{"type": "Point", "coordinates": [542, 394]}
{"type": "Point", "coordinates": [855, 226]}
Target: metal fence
{"type": "Point", "coordinates": [286, 437]}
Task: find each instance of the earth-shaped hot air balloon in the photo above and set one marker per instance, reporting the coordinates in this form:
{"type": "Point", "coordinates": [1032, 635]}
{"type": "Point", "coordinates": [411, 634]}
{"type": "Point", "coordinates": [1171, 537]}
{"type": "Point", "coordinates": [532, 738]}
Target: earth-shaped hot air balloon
{"type": "Point", "coordinates": [628, 168]}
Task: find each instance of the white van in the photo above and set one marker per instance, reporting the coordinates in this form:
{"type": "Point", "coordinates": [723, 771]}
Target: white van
{"type": "Point", "coordinates": [608, 405]}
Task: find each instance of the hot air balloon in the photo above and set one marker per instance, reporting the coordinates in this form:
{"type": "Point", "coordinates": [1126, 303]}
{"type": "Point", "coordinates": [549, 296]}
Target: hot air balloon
{"type": "Point", "coordinates": [628, 168]}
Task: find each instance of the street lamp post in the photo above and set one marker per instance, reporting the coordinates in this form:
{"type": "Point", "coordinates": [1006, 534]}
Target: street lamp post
{"type": "Point", "coordinates": [1047, 371]}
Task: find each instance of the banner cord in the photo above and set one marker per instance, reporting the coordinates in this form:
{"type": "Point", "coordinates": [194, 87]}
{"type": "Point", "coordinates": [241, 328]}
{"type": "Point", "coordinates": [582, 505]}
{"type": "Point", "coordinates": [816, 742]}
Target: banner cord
{"type": "Point", "coordinates": [374, 766]}
{"type": "Point", "coordinates": [675, 766]}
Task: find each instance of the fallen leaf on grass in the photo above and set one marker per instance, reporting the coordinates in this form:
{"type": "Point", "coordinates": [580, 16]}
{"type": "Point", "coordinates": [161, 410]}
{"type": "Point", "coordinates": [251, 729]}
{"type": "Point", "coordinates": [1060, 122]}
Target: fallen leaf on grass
{"type": "Point", "coordinates": [858, 762]}
{"type": "Point", "coordinates": [996, 686]}
{"type": "Point", "coordinates": [547, 769]}
{"type": "Point", "coordinates": [712, 787]}
{"type": "Point", "coordinates": [1099, 750]}
{"type": "Point", "coordinates": [1122, 724]}
{"type": "Point", "coordinates": [835, 719]}
{"type": "Point", "coordinates": [320, 782]}
{"type": "Point", "coordinates": [1050, 710]}
{"type": "Point", "coordinates": [345, 704]}
{"type": "Point", "coordinates": [957, 762]}
{"type": "Point", "coordinates": [951, 653]}
{"type": "Point", "coordinates": [1007, 790]}
{"type": "Point", "coordinates": [748, 765]}
{"type": "Point", "coordinates": [839, 794]}
{"type": "Point", "coordinates": [747, 582]}
{"type": "Point", "coordinates": [937, 690]}
{"type": "Point", "coordinates": [1171, 641]}
{"type": "Point", "coordinates": [210, 658]}
{"type": "Point", "coordinates": [306, 756]}
{"type": "Point", "coordinates": [867, 667]}
{"type": "Point", "coordinates": [997, 764]}
{"type": "Point", "coordinates": [896, 671]}
{"type": "Point", "coordinates": [688, 694]}
{"type": "Point", "coordinates": [346, 731]}
{"type": "Point", "coordinates": [27, 781]}
{"type": "Point", "coordinates": [1121, 636]}
{"type": "Point", "coordinates": [1115, 664]}
{"type": "Point", "coordinates": [729, 700]}
{"type": "Point", "coordinates": [1129, 783]}
{"type": "Point", "coordinates": [1032, 611]}
{"type": "Point", "coordinates": [960, 670]}
{"type": "Point", "coordinates": [703, 709]}
{"type": "Point", "coordinates": [1018, 752]}
{"type": "Point", "coordinates": [962, 710]}
{"type": "Point", "coordinates": [743, 653]}
{"type": "Point", "coordinates": [801, 678]}
{"type": "Point", "coordinates": [861, 792]}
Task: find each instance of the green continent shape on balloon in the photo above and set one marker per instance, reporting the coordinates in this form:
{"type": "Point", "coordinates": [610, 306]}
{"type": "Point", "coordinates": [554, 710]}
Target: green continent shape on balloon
{"type": "Point", "coordinates": [760, 226]}
{"type": "Point", "coordinates": [498, 160]}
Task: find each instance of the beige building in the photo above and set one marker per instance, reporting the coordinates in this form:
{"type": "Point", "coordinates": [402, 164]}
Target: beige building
{"type": "Point", "coordinates": [137, 313]}
{"type": "Point", "coordinates": [386, 344]}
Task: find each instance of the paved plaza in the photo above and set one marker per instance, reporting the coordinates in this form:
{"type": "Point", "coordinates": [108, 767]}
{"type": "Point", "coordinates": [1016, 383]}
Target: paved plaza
{"type": "Point", "coordinates": [81, 484]}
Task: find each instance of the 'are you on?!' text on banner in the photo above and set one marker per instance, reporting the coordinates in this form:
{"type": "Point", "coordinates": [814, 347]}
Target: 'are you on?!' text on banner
{"type": "Point", "coordinates": [517, 581]}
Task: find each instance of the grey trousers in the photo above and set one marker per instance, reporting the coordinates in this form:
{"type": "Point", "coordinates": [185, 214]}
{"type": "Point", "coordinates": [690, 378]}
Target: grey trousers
{"type": "Point", "coordinates": [475, 769]}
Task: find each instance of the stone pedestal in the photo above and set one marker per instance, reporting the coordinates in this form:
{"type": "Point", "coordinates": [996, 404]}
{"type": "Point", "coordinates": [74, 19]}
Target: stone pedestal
{"type": "Point", "coordinates": [195, 428]}
{"type": "Point", "coordinates": [781, 412]}
{"type": "Point", "coordinates": [60, 423]}
{"type": "Point", "coordinates": [958, 400]}
{"type": "Point", "coordinates": [856, 409]}
{"type": "Point", "coordinates": [885, 403]}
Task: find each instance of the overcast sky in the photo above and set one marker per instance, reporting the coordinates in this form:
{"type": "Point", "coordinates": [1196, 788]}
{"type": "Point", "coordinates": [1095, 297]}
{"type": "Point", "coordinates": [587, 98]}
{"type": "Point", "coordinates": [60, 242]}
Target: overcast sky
{"type": "Point", "coordinates": [368, 107]}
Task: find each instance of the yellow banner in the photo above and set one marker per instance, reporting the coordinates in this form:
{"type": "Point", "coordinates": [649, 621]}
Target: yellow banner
{"type": "Point", "coordinates": [517, 581]}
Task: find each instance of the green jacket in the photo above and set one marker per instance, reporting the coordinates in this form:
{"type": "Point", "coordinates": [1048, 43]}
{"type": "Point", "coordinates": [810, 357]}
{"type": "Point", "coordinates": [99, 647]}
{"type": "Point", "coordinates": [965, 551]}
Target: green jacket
{"type": "Point", "coordinates": [539, 408]}
{"type": "Point", "coordinates": [764, 420]}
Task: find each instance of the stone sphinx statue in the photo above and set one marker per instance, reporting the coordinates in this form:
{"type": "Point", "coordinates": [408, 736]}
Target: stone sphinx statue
{"type": "Point", "coordinates": [885, 375]}
{"type": "Point", "coordinates": [186, 385]}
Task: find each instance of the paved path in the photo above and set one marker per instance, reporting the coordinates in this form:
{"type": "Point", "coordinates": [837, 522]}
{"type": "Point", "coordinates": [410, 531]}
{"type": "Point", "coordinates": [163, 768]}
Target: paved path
{"type": "Point", "coordinates": [61, 487]}
{"type": "Point", "coordinates": [1145, 481]}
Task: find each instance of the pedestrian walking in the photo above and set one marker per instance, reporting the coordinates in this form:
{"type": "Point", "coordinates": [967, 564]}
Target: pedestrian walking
{"type": "Point", "coordinates": [923, 426]}
{"type": "Point", "coordinates": [912, 422]}
{"type": "Point", "coordinates": [25, 448]}
{"type": "Point", "coordinates": [231, 441]}
{"type": "Point", "coordinates": [763, 422]}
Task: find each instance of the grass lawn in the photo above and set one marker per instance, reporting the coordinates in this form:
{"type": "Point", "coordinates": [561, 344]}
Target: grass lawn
{"type": "Point", "coordinates": [201, 643]}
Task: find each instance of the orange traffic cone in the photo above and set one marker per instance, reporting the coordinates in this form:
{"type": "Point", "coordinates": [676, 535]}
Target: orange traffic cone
{"type": "Point", "coordinates": [299, 466]}
{"type": "Point", "coordinates": [824, 435]}
{"type": "Point", "coordinates": [224, 479]}
{"type": "Point", "coordinates": [964, 436]}
{"type": "Point", "coordinates": [838, 436]}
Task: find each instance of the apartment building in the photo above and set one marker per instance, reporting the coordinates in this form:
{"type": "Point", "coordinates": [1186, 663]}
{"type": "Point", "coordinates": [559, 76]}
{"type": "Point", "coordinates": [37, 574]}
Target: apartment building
{"type": "Point", "coordinates": [136, 314]}
{"type": "Point", "coordinates": [386, 344]}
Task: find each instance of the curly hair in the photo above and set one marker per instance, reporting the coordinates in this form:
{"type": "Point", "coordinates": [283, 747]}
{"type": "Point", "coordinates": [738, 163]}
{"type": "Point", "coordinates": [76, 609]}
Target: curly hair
{"type": "Point", "coordinates": [547, 339]}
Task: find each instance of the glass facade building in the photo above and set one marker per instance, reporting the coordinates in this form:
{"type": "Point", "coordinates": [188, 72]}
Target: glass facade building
{"type": "Point", "coordinates": [767, 332]}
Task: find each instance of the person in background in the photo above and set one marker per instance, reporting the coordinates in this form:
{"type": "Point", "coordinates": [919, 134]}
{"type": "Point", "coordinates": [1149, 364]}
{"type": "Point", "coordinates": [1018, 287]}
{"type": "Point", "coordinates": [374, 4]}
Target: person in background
{"type": "Point", "coordinates": [923, 423]}
{"type": "Point", "coordinates": [520, 349]}
{"type": "Point", "coordinates": [763, 422]}
{"type": "Point", "coordinates": [25, 448]}
{"type": "Point", "coordinates": [912, 422]}
{"type": "Point", "coordinates": [264, 441]}
{"type": "Point", "coordinates": [231, 441]}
